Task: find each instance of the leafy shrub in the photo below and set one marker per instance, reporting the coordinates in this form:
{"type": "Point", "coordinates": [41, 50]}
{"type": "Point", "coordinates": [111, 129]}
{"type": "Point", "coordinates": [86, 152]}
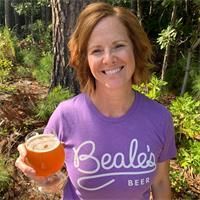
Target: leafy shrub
{"type": "Point", "coordinates": [4, 175]}
{"type": "Point", "coordinates": [189, 156]}
{"type": "Point", "coordinates": [42, 72]}
{"type": "Point", "coordinates": [196, 86]}
{"type": "Point", "coordinates": [46, 106]}
{"type": "Point", "coordinates": [153, 89]}
{"type": "Point", "coordinates": [42, 34]}
{"type": "Point", "coordinates": [5, 68]}
{"type": "Point", "coordinates": [186, 115]}
{"type": "Point", "coordinates": [7, 44]}
{"type": "Point", "coordinates": [166, 36]}
{"type": "Point", "coordinates": [178, 182]}
{"type": "Point", "coordinates": [5, 88]}
{"type": "Point", "coordinates": [29, 57]}
{"type": "Point", "coordinates": [23, 71]}
{"type": "Point", "coordinates": [39, 35]}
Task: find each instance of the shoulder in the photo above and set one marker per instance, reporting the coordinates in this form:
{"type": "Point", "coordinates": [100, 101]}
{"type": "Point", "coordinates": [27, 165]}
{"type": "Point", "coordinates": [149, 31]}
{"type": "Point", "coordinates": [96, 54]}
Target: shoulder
{"type": "Point", "coordinates": [158, 118]}
{"type": "Point", "coordinates": [72, 103]}
{"type": "Point", "coordinates": [153, 108]}
{"type": "Point", "coordinates": [66, 112]}
{"type": "Point", "coordinates": [69, 107]}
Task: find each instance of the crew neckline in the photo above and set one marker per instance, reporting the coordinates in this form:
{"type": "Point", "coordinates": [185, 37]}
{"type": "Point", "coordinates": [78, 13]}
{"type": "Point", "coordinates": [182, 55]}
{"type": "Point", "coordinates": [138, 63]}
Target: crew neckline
{"type": "Point", "coordinates": [101, 116]}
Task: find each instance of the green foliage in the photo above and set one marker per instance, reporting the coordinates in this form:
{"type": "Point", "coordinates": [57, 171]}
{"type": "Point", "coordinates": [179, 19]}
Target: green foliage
{"type": "Point", "coordinates": [4, 175]}
{"type": "Point", "coordinates": [43, 2]}
{"type": "Point", "coordinates": [5, 71]}
{"type": "Point", "coordinates": [26, 7]}
{"type": "Point", "coordinates": [7, 44]}
{"type": "Point", "coordinates": [167, 3]}
{"type": "Point", "coordinates": [197, 2]}
{"type": "Point", "coordinates": [153, 89]}
{"type": "Point", "coordinates": [29, 57]}
{"type": "Point", "coordinates": [38, 29]}
{"type": "Point", "coordinates": [125, 3]}
{"type": "Point", "coordinates": [196, 86]}
{"type": "Point", "coordinates": [5, 68]}
{"type": "Point", "coordinates": [178, 182]}
{"type": "Point", "coordinates": [41, 35]}
{"type": "Point", "coordinates": [186, 115]}
{"type": "Point", "coordinates": [5, 88]}
{"type": "Point", "coordinates": [23, 8]}
{"type": "Point", "coordinates": [23, 71]}
{"type": "Point", "coordinates": [174, 75]}
{"type": "Point", "coordinates": [46, 106]}
{"type": "Point", "coordinates": [42, 72]}
{"type": "Point", "coordinates": [189, 156]}
{"type": "Point", "coordinates": [33, 46]}
{"type": "Point", "coordinates": [166, 36]}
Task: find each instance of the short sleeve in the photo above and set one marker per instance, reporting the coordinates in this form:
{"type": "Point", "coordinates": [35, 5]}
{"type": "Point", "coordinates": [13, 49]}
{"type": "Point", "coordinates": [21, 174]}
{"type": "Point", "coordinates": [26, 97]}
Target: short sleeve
{"type": "Point", "coordinates": [58, 122]}
{"type": "Point", "coordinates": [169, 147]}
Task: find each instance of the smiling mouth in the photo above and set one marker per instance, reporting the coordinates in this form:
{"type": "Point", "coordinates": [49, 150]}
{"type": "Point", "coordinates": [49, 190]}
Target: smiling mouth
{"type": "Point", "coordinates": [113, 71]}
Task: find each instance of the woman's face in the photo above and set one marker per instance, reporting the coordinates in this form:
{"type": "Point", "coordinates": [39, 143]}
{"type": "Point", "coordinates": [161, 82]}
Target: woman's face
{"type": "Point", "coordinates": [110, 54]}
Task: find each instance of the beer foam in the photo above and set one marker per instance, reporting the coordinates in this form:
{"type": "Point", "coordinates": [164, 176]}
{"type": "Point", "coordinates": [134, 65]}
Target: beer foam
{"type": "Point", "coordinates": [42, 143]}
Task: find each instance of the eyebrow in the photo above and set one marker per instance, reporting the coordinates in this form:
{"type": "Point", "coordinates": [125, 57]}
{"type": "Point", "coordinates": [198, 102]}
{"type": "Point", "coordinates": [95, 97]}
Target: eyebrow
{"type": "Point", "coordinates": [120, 41]}
{"type": "Point", "coordinates": [94, 47]}
{"type": "Point", "coordinates": [99, 46]}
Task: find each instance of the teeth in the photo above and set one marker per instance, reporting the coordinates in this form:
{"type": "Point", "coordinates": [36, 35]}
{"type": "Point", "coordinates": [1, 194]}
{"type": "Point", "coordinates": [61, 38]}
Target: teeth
{"type": "Point", "coordinates": [112, 71]}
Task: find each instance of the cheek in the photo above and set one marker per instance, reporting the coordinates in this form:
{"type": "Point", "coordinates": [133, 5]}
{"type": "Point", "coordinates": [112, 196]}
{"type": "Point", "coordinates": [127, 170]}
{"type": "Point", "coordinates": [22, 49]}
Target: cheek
{"type": "Point", "coordinates": [131, 58]}
{"type": "Point", "coordinates": [93, 63]}
{"type": "Point", "coordinates": [131, 62]}
{"type": "Point", "coordinates": [128, 57]}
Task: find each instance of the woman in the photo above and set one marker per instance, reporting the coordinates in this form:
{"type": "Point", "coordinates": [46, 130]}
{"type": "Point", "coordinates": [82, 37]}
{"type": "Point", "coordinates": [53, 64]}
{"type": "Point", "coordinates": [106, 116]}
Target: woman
{"type": "Point", "coordinates": [118, 143]}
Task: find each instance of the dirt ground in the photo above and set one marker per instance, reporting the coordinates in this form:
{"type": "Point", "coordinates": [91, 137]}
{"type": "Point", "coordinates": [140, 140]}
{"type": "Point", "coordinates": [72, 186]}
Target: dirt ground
{"type": "Point", "coordinates": [17, 117]}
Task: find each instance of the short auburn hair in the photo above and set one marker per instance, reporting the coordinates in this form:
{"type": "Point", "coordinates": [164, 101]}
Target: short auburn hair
{"type": "Point", "coordinates": [78, 43]}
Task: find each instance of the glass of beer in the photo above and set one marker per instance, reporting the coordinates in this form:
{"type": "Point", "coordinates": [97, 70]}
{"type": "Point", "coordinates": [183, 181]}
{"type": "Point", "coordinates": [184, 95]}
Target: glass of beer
{"type": "Point", "coordinates": [45, 153]}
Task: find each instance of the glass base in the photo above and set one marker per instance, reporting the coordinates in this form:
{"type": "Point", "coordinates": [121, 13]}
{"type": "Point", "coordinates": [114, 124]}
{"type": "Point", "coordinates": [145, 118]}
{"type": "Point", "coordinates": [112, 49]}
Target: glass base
{"type": "Point", "coordinates": [52, 184]}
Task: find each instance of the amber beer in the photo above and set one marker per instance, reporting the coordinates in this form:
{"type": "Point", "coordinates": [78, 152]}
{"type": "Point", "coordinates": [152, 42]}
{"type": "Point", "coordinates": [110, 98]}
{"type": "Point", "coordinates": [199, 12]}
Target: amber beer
{"type": "Point", "coordinates": [45, 154]}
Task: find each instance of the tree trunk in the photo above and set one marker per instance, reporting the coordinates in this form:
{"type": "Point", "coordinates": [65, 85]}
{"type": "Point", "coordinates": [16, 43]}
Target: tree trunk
{"type": "Point", "coordinates": [168, 48]}
{"type": "Point", "coordinates": [2, 15]}
{"type": "Point", "coordinates": [150, 7]}
{"type": "Point", "coordinates": [17, 18]}
{"type": "Point", "coordinates": [139, 11]}
{"type": "Point", "coordinates": [187, 68]}
{"type": "Point", "coordinates": [165, 61]}
{"type": "Point", "coordinates": [8, 10]}
{"type": "Point", "coordinates": [64, 14]}
{"type": "Point", "coordinates": [198, 32]}
{"type": "Point", "coordinates": [134, 6]}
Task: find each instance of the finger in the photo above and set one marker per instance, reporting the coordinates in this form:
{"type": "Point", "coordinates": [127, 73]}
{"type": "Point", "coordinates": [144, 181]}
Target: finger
{"type": "Point", "coordinates": [22, 150]}
{"type": "Point", "coordinates": [26, 169]}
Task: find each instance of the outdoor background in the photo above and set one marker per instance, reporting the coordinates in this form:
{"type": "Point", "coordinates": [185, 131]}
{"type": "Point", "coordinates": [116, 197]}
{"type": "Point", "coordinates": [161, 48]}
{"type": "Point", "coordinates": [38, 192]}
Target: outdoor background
{"type": "Point", "coordinates": [35, 77]}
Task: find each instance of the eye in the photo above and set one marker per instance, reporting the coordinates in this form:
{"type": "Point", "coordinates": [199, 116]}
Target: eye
{"type": "Point", "coordinates": [96, 51]}
{"type": "Point", "coordinates": [119, 46]}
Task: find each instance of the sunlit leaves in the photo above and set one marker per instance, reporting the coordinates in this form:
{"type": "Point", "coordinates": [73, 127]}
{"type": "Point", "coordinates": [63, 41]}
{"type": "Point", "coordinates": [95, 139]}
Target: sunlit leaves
{"type": "Point", "coordinates": [166, 36]}
{"type": "Point", "coordinates": [186, 115]}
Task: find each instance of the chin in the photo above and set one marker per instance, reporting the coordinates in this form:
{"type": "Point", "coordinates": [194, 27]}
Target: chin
{"type": "Point", "coordinates": [115, 86]}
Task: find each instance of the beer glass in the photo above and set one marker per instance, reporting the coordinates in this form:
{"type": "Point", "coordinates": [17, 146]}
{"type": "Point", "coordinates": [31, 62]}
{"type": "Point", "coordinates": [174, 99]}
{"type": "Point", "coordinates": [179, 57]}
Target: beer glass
{"type": "Point", "coordinates": [45, 153]}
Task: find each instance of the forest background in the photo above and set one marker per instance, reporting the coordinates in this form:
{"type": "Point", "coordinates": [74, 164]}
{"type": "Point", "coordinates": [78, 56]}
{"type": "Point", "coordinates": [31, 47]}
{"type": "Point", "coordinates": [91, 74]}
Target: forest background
{"type": "Point", "coordinates": [35, 77]}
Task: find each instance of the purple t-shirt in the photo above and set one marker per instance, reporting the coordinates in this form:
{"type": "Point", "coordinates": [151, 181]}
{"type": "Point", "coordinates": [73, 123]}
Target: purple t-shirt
{"type": "Point", "coordinates": [112, 158]}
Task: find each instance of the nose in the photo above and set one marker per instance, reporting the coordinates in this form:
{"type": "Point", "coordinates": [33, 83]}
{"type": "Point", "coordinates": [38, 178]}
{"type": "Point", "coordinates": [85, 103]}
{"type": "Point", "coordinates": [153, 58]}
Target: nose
{"type": "Point", "coordinates": [108, 57]}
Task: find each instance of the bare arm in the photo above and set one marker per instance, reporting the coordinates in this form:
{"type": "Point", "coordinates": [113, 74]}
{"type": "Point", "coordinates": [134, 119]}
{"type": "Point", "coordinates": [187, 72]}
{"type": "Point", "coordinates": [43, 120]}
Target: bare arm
{"type": "Point", "coordinates": [161, 185]}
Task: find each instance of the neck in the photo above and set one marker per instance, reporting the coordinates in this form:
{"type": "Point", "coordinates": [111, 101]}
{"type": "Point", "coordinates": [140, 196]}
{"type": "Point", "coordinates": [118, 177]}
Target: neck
{"type": "Point", "coordinates": [112, 103]}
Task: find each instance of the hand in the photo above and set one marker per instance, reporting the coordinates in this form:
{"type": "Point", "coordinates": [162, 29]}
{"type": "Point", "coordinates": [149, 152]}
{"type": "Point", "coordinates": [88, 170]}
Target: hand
{"type": "Point", "coordinates": [21, 162]}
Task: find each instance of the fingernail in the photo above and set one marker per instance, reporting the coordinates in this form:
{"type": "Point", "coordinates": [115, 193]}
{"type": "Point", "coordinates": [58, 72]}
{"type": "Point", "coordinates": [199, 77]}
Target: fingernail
{"type": "Point", "coordinates": [32, 171]}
